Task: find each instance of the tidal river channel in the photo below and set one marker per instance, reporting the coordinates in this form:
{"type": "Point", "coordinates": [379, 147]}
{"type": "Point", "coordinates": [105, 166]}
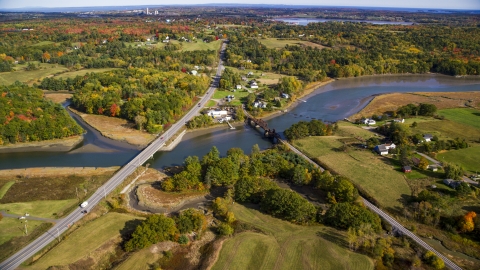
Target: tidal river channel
{"type": "Point", "coordinates": [331, 102]}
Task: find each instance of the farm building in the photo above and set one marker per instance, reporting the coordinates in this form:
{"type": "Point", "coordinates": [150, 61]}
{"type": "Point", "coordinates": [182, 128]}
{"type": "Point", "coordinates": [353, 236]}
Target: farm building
{"type": "Point", "coordinates": [427, 137]}
{"type": "Point", "coordinates": [451, 183]}
{"type": "Point", "coordinates": [217, 113]}
{"type": "Point", "coordinates": [399, 120]}
{"type": "Point", "coordinates": [369, 121]}
{"type": "Point", "coordinates": [382, 149]}
{"type": "Point", "coordinates": [406, 169]}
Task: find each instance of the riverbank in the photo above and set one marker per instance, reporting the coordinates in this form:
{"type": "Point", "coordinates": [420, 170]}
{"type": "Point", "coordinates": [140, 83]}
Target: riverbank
{"type": "Point", "coordinates": [58, 171]}
{"type": "Point", "coordinates": [116, 128]}
{"type": "Point", "coordinates": [379, 104]}
{"type": "Point", "coordinates": [57, 145]}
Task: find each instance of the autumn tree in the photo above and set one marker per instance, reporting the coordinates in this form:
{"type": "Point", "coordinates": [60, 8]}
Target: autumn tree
{"type": "Point", "coordinates": [466, 222]}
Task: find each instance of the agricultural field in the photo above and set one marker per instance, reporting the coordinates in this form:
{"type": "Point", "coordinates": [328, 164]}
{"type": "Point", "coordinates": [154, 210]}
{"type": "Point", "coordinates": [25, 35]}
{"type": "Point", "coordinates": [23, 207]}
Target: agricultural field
{"type": "Point", "coordinates": [89, 243]}
{"type": "Point", "coordinates": [44, 209]}
{"type": "Point", "coordinates": [194, 46]}
{"type": "Point", "coordinates": [468, 158]}
{"type": "Point", "coordinates": [445, 129]}
{"type": "Point", "coordinates": [283, 245]}
{"type": "Point", "coordinates": [466, 116]}
{"type": "Point", "coordinates": [32, 76]}
{"type": "Point", "coordinates": [443, 100]}
{"type": "Point", "coordinates": [280, 43]}
{"type": "Point", "coordinates": [375, 174]}
{"type": "Point", "coordinates": [73, 74]}
{"type": "Point", "coordinates": [239, 95]}
{"type": "Point", "coordinates": [13, 227]}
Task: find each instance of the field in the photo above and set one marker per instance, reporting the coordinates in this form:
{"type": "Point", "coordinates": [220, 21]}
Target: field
{"type": "Point", "coordinates": [12, 227]}
{"type": "Point", "coordinates": [466, 116]}
{"type": "Point", "coordinates": [239, 95]}
{"type": "Point", "coordinates": [468, 158]}
{"type": "Point", "coordinates": [58, 97]}
{"type": "Point", "coordinates": [73, 74]}
{"type": "Point", "coordinates": [45, 209]}
{"type": "Point", "coordinates": [375, 174]}
{"type": "Point", "coordinates": [444, 129]}
{"type": "Point", "coordinates": [283, 245]}
{"type": "Point", "coordinates": [116, 128]}
{"type": "Point", "coordinates": [87, 241]}
{"type": "Point", "coordinates": [29, 77]}
{"type": "Point", "coordinates": [443, 100]}
{"type": "Point", "coordinates": [276, 43]}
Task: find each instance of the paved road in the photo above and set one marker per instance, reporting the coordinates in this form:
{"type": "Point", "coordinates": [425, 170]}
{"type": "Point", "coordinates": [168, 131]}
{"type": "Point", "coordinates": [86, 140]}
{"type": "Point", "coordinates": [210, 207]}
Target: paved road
{"type": "Point", "coordinates": [387, 218]}
{"type": "Point", "coordinates": [464, 178]}
{"type": "Point", "coordinates": [63, 224]}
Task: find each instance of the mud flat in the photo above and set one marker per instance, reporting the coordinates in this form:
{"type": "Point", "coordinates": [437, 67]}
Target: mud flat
{"type": "Point", "coordinates": [57, 145]}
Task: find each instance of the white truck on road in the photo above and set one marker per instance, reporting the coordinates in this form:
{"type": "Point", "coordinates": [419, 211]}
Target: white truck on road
{"type": "Point", "coordinates": [84, 204]}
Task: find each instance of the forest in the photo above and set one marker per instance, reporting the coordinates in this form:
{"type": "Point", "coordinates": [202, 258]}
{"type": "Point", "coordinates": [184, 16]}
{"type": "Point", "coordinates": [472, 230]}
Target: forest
{"type": "Point", "coordinates": [27, 117]}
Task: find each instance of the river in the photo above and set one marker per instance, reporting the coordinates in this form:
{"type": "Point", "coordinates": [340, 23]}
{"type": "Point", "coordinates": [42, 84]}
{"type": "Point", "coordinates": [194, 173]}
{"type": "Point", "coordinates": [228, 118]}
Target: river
{"type": "Point", "coordinates": [331, 102]}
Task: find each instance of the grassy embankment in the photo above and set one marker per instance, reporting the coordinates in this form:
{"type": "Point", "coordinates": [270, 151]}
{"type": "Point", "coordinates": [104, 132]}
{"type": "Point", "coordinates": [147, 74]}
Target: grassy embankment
{"type": "Point", "coordinates": [88, 244]}
{"type": "Point", "coordinates": [73, 74]}
{"type": "Point", "coordinates": [284, 245]}
{"type": "Point", "coordinates": [375, 174]}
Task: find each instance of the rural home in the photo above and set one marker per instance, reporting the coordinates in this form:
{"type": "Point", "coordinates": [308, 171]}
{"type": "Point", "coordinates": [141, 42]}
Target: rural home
{"type": "Point", "coordinates": [253, 85]}
{"type": "Point", "coordinates": [427, 137]}
{"type": "Point", "coordinates": [194, 72]}
{"type": "Point", "coordinates": [433, 168]}
{"type": "Point", "coordinates": [369, 121]}
{"type": "Point", "coordinates": [224, 118]}
{"type": "Point", "coordinates": [382, 149]}
{"type": "Point", "coordinates": [406, 169]}
{"type": "Point", "coordinates": [399, 120]}
{"type": "Point", "coordinates": [239, 86]}
{"type": "Point", "coordinates": [451, 183]}
{"type": "Point", "coordinates": [216, 113]}
{"type": "Point", "coordinates": [260, 104]}
{"type": "Point", "coordinates": [285, 95]}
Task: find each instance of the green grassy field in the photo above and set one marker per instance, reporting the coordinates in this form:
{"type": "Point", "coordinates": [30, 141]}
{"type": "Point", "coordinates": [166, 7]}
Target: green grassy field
{"type": "Point", "coordinates": [12, 227]}
{"type": "Point", "coordinates": [468, 158]}
{"type": "Point", "coordinates": [5, 187]}
{"type": "Point", "coordinates": [45, 209]}
{"type": "Point", "coordinates": [466, 116]}
{"type": "Point", "coordinates": [84, 241]}
{"type": "Point", "coordinates": [139, 259]}
{"type": "Point", "coordinates": [445, 129]}
{"type": "Point", "coordinates": [376, 175]}
{"type": "Point", "coordinates": [42, 43]}
{"type": "Point", "coordinates": [286, 246]}
{"type": "Point", "coordinates": [82, 72]}
{"type": "Point", "coordinates": [7, 78]}
{"type": "Point", "coordinates": [277, 44]}
{"type": "Point", "coordinates": [219, 94]}
{"type": "Point", "coordinates": [211, 103]}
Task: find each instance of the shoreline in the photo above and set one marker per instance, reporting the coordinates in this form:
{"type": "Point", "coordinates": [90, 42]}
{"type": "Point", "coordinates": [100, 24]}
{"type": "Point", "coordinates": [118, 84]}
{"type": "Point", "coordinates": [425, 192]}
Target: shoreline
{"type": "Point", "coordinates": [56, 145]}
{"type": "Point", "coordinates": [57, 171]}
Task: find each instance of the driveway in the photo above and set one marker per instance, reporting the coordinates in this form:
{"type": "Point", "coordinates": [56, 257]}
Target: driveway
{"type": "Point", "coordinates": [29, 217]}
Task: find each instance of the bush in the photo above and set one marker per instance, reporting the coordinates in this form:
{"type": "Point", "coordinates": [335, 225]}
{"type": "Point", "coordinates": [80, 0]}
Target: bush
{"type": "Point", "coordinates": [183, 239]}
{"type": "Point", "coordinates": [225, 229]}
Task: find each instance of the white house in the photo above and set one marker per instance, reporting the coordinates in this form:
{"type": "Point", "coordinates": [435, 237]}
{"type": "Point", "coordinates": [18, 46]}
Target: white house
{"type": "Point", "coordinates": [239, 86]}
{"type": "Point", "coordinates": [369, 121]}
{"type": "Point", "coordinates": [216, 113]}
{"type": "Point", "coordinates": [194, 72]}
{"type": "Point", "coordinates": [253, 85]}
{"type": "Point", "coordinates": [399, 120]}
{"type": "Point", "coordinates": [285, 95]}
{"type": "Point", "coordinates": [427, 137]}
{"type": "Point", "coordinates": [382, 149]}
{"type": "Point", "coordinates": [260, 104]}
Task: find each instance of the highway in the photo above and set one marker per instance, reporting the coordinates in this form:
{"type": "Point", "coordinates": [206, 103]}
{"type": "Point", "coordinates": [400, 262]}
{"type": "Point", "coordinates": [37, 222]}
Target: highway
{"type": "Point", "coordinates": [63, 224]}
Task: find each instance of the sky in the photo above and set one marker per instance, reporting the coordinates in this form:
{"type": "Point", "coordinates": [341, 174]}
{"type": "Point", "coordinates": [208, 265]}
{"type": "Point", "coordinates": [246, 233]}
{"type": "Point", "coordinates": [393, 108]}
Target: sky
{"type": "Point", "coordinates": [434, 4]}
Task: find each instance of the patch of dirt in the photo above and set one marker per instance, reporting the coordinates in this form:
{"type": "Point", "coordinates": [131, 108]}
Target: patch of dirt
{"type": "Point", "coordinates": [116, 128]}
{"type": "Point", "coordinates": [64, 144]}
{"type": "Point", "coordinates": [213, 256]}
{"type": "Point", "coordinates": [154, 197]}
{"type": "Point", "coordinates": [194, 254]}
{"type": "Point", "coordinates": [443, 100]}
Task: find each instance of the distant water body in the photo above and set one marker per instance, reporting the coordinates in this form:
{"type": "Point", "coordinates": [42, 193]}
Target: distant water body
{"type": "Point", "coordinates": [305, 21]}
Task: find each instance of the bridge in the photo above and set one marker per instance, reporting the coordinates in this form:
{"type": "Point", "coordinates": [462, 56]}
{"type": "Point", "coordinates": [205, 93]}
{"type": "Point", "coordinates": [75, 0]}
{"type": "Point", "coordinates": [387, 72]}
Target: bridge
{"type": "Point", "coordinates": [395, 224]}
{"type": "Point", "coordinates": [267, 132]}
{"type": "Point", "coordinates": [64, 224]}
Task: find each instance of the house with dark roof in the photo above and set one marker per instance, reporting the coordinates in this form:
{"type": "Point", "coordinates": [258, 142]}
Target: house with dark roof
{"type": "Point", "coordinates": [381, 149]}
{"type": "Point", "coordinates": [451, 183]}
{"type": "Point", "coordinates": [406, 169]}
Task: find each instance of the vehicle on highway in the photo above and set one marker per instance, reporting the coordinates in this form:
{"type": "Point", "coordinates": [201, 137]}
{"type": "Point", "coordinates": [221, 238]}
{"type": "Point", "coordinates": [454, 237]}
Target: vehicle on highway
{"type": "Point", "coordinates": [84, 212]}
{"type": "Point", "coordinates": [84, 204]}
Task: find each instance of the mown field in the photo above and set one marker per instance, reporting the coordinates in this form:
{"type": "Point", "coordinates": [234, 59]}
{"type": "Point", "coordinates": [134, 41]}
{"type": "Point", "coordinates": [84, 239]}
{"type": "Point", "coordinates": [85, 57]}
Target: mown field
{"type": "Point", "coordinates": [280, 43]}
{"type": "Point", "coordinates": [45, 209]}
{"type": "Point", "coordinates": [239, 94]}
{"type": "Point", "coordinates": [87, 242]}
{"type": "Point", "coordinates": [375, 174]}
{"type": "Point", "coordinates": [469, 158]}
{"type": "Point", "coordinates": [29, 77]}
{"type": "Point", "coordinates": [283, 245]}
{"type": "Point", "coordinates": [13, 227]}
{"type": "Point", "coordinates": [447, 129]}
{"type": "Point", "coordinates": [466, 116]}
{"type": "Point", "coordinates": [73, 74]}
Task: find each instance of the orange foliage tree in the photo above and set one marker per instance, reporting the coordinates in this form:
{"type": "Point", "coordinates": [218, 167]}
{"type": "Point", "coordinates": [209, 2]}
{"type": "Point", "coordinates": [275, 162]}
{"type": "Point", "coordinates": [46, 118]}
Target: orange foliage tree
{"type": "Point", "coordinates": [466, 223]}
